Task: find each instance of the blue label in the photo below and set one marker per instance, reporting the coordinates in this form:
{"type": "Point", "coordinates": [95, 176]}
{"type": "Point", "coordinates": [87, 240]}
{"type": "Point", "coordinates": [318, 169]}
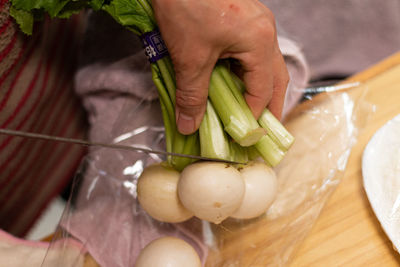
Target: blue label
{"type": "Point", "coordinates": [154, 46]}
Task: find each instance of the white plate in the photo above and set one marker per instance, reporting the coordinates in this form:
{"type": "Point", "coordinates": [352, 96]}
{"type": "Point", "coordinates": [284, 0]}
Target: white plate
{"type": "Point", "coordinates": [381, 177]}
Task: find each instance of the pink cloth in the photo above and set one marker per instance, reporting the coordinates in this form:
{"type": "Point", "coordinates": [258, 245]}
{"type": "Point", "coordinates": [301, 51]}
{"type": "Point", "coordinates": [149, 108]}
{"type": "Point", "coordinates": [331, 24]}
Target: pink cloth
{"type": "Point", "coordinates": [15, 252]}
{"type": "Point", "coordinates": [298, 70]}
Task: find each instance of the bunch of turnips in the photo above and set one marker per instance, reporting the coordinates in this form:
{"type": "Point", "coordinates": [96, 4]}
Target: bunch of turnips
{"type": "Point", "coordinates": [180, 188]}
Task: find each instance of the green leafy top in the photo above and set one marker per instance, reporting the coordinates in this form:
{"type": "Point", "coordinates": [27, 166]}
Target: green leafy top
{"type": "Point", "coordinates": [132, 14]}
{"type": "Point", "coordinates": [136, 15]}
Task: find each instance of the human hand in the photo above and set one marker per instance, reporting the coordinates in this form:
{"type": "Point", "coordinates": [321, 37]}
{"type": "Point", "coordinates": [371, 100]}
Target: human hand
{"type": "Point", "coordinates": [198, 33]}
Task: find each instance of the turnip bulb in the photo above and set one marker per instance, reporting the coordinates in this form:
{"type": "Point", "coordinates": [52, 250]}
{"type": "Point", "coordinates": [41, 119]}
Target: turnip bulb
{"type": "Point", "coordinates": [158, 196]}
{"type": "Point", "coordinates": [261, 190]}
{"type": "Point", "coordinates": [212, 191]}
{"type": "Point", "coordinates": [168, 252]}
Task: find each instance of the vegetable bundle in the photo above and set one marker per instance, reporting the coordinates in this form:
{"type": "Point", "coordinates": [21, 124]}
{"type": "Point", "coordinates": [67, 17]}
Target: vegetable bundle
{"type": "Point", "coordinates": [228, 131]}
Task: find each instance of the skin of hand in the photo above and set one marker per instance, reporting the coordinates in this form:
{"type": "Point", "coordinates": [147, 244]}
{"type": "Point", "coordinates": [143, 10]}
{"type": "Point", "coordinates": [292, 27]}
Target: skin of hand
{"type": "Point", "coordinates": [198, 33]}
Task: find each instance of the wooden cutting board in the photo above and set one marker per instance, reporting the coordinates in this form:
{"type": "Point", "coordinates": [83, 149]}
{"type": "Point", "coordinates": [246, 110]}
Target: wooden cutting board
{"type": "Point", "coordinates": [347, 233]}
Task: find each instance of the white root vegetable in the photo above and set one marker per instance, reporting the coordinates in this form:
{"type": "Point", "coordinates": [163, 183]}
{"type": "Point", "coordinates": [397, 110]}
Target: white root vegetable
{"type": "Point", "coordinates": [158, 196]}
{"type": "Point", "coordinates": [261, 190]}
{"type": "Point", "coordinates": [211, 190]}
{"type": "Point", "coordinates": [167, 252]}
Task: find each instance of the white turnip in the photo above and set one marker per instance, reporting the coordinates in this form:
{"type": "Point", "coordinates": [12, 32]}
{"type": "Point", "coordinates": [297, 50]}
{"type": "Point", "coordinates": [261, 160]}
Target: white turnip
{"type": "Point", "coordinates": [168, 252]}
{"type": "Point", "coordinates": [211, 190]}
{"type": "Point", "coordinates": [261, 189]}
{"type": "Point", "coordinates": [157, 194]}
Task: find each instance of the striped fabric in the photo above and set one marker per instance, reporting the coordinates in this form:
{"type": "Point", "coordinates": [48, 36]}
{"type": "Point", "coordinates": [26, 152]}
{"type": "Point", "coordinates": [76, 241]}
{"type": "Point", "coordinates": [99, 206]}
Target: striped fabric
{"type": "Point", "coordinates": [36, 95]}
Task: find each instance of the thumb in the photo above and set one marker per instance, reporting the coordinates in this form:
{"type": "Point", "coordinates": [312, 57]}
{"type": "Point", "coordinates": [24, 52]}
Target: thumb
{"type": "Point", "coordinates": [191, 95]}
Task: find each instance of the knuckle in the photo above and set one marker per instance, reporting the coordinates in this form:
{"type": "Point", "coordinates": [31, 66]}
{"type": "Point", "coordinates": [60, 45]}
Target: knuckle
{"type": "Point", "coordinates": [264, 28]}
{"type": "Point", "coordinates": [189, 98]}
{"type": "Point", "coordinates": [186, 71]}
{"type": "Point", "coordinates": [181, 63]}
{"type": "Point", "coordinates": [186, 61]}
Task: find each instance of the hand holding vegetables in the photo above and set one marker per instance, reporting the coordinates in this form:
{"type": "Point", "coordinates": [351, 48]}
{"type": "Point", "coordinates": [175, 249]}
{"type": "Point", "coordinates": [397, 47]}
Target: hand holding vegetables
{"type": "Point", "coordinates": [198, 33]}
{"type": "Point", "coordinates": [243, 30]}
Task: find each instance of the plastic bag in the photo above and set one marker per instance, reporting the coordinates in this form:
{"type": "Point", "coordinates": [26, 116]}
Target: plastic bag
{"type": "Point", "coordinates": [105, 217]}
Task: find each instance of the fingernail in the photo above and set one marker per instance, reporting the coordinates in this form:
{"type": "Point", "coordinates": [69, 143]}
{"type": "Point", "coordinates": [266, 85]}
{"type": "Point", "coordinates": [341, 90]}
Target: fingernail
{"type": "Point", "coordinates": [185, 123]}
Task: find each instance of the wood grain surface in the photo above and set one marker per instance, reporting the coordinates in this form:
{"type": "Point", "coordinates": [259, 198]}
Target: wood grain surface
{"type": "Point", "coordinates": [347, 233]}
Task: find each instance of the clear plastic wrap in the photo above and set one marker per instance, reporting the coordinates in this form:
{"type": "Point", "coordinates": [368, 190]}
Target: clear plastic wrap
{"type": "Point", "coordinates": [104, 216]}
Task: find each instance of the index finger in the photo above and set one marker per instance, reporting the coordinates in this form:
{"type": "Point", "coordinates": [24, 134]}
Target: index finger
{"type": "Point", "coordinates": [258, 78]}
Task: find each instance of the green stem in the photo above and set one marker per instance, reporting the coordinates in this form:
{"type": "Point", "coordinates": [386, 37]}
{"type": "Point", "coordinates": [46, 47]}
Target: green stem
{"type": "Point", "coordinates": [252, 153]}
{"type": "Point", "coordinates": [238, 153]}
{"type": "Point", "coordinates": [168, 129]}
{"type": "Point", "coordinates": [168, 77]}
{"type": "Point", "coordinates": [163, 95]}
{"type": "Point", "coordinates": [238, 94]}
{"type": "Point", "coordinates": [213, 140]}
{"type": "Point", "coordinates": [238, 82]}
{"type": "Point", "coordinates": [184, 144]}
{"type": "Point", "coordinates": [276, 130]}
{"type": "Point", "coordinates": [175, 141]}
{"type": "Point", "coordinates": [269, 151]}
{"type": "Point", "coordinates": [147, 7]}
{"type": "Point", "coordinates": [243, 130]}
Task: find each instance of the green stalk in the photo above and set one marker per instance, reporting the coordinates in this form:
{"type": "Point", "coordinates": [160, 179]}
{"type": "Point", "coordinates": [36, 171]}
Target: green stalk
{"type": "Point", "coordinates": [147, 7]}
{"type": "Point", "coordinates": [252, 153]}
{"type": "Point", "coordinates": [167, 111]}
{"type": "Point", "coordinates": [231, 111]}
{"type": "Point", "coordinates": [213, 140]}
{"type": "Point", "coordinates": [238, 94]}
{"type": "Point", "coordinates": [175, 142]}
{"type": "Point", "coordinates": [275, 130]}
{"type": "Point", "coordinates": [178, 143]}
{"type": "Point", "coordinates": [269, 151]}
{"type": "Point", "coordinates": [163, 94]}
{"type": "Point", "coordinates": [168, 76]}
{"type": "Point", "coordinates": [238, 153]}
{"type": "Point", "coordinates": [167, 128]}
{"type": "Point", "coordinates": [188, 145]}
